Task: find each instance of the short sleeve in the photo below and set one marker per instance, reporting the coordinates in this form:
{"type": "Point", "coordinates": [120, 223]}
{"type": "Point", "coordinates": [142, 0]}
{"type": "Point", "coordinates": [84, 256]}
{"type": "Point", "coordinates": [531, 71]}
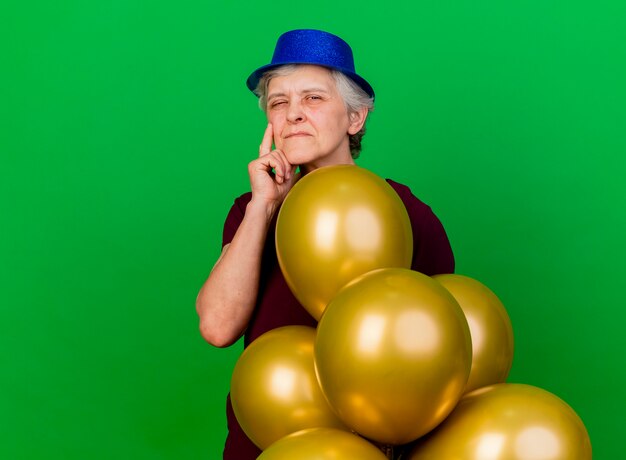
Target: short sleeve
{"type": "Point", "coordinates": [235, 217]}
{"type": "Point", "coordinates": [432, 253]}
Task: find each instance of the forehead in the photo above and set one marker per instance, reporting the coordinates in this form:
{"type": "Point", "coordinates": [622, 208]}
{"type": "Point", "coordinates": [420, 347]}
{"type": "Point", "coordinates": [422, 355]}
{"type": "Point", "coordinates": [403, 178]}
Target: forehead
{"type": "Point", "coordinates": [303, 78]}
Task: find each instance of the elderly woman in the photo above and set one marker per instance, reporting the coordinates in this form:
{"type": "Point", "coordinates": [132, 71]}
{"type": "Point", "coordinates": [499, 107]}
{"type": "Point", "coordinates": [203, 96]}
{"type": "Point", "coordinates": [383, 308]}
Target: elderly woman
{"type": "Point", "coordinates": [316, 107]}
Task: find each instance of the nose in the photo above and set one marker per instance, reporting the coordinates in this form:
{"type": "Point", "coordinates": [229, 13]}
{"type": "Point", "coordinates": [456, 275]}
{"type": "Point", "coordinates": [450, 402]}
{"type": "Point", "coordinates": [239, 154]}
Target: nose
{"type": "Point", "coordinates": [295, 113]}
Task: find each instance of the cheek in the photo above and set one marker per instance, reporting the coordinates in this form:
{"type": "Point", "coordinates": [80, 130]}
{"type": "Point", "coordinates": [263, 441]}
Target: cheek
{"type": "Point", "coordinates": [334, 129]}
{"type": "Point", "coordinates": [335, 122]}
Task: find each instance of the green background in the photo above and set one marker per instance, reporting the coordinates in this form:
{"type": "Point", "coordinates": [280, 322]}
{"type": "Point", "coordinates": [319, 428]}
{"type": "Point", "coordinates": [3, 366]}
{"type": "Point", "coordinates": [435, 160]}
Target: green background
{"type": "Point", "coordinates": [125, 133]}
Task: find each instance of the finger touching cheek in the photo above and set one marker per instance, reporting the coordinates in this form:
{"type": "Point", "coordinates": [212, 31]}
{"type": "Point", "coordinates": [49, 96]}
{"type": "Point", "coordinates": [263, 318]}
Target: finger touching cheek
{"type": "Point", "coordinates": [277, 140]}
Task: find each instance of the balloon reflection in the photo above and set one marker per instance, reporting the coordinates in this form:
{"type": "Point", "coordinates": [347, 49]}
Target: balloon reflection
{"type": "Point", "coordinates": [416, 334]}
{"type": "Point", "coordinates": [283, 381]}
{"type": "Point", "coordinates": [359, 404]}
{"type": "Point", "coordinates": [363, 231]}
{"type": "Point", "coordinates": [538, 443]}
{"type": "Point", "coordinates": [371, 334]}
{"type": "Point", "coordinates": [478, 334]}
{"type": "Point", "coordinates": [326, 231]}
{"type": "Point", "coordinates": [489, 446]}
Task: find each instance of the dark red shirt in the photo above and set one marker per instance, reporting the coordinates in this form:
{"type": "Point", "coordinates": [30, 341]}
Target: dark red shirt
{"type": "Point", "coordinates": [276, 305]}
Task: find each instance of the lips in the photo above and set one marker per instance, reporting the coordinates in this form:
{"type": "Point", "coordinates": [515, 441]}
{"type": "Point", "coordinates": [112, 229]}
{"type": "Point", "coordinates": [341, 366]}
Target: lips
{"type": "Point", "coordinates": [297, 134]}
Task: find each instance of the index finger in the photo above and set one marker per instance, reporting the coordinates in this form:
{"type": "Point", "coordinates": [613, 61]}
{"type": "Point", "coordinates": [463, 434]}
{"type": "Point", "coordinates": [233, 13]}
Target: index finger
{"type": "Point", "coordinates": [266, 143]}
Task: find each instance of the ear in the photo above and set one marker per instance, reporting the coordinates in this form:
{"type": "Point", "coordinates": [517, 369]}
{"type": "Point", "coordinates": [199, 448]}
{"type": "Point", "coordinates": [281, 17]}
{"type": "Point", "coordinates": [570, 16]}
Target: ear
{"type": "Point", "coordinates": [357, 120]}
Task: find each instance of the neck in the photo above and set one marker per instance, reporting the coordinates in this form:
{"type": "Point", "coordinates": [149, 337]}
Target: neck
{"type": "Point", "coordinates": [307, 168]}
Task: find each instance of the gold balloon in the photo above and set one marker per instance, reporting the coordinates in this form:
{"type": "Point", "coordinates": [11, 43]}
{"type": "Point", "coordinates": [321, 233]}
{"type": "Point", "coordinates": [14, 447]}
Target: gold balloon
{"type": "Point", "coordinates": [274, 390]}
{"type": "Point", "coordinates": [392, 354]}
{"type": "Point", "coordinates": [339, 222]}
{"type": "Point", "coordinates": [490, 327]}
{"type": "Point", "coordinates": [507, 422]}
{"type": "Point", "coordinates": [322, 444]}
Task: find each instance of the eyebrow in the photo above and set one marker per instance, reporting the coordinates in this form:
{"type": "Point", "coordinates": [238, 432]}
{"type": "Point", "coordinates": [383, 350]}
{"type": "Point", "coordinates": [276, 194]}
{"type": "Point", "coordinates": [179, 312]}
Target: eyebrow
{"type": "Point", "coordinates": [306, 91]}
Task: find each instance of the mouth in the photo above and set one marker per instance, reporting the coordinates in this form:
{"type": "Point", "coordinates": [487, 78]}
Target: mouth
{"type": "Point", "coordinates": [297, 134]}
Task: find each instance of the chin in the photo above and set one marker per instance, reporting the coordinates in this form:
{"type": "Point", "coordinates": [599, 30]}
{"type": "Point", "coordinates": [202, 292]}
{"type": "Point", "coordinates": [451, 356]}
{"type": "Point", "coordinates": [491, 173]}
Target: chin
{"type": "Point", "coordinates": [300, 158]}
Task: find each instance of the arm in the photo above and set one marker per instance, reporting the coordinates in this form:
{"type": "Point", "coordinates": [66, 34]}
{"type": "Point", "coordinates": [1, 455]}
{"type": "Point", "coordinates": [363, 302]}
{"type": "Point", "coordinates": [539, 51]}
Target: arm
{"type": "Point", "coordinates": [226, 300]}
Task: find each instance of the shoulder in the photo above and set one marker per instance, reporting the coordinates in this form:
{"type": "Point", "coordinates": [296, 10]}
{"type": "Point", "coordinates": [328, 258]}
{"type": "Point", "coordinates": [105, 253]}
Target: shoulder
{"type": "Point", "coordinates": [242, 201]}
{"type": "Point", "coordinates": [423, 219]}
{"type": "Point", "coordinates": [235, 217]}
{"type": "Point", "coordinates": [239, 204]}
{"type": "Point", "coordinates": [411, 202]}
{"type": "Point", "coordinates": [432, 253]}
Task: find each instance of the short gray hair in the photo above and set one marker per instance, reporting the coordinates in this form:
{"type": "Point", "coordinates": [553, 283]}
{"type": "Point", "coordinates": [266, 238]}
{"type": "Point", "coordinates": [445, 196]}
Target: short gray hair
{"type": "Point", "coordinates": [353, 97]}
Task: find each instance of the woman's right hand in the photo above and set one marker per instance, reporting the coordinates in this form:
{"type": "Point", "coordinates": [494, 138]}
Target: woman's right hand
{"type": "Point", "coordinates": [271, 175]}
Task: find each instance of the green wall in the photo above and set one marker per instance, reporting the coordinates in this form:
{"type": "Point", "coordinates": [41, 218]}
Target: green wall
{"type": "Point", "coordinates": [125, 132]}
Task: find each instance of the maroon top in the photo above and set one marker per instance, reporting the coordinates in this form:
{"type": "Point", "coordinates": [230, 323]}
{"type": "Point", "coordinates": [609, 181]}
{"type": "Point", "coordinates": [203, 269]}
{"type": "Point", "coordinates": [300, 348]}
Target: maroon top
{"type": "Point", "coordinates": [276, 305]}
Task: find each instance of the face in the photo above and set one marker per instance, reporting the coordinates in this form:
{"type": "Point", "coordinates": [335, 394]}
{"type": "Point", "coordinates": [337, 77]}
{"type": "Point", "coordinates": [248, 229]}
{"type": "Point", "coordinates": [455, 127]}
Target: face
{"type": "Point", "coordinates": [310, 121]}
